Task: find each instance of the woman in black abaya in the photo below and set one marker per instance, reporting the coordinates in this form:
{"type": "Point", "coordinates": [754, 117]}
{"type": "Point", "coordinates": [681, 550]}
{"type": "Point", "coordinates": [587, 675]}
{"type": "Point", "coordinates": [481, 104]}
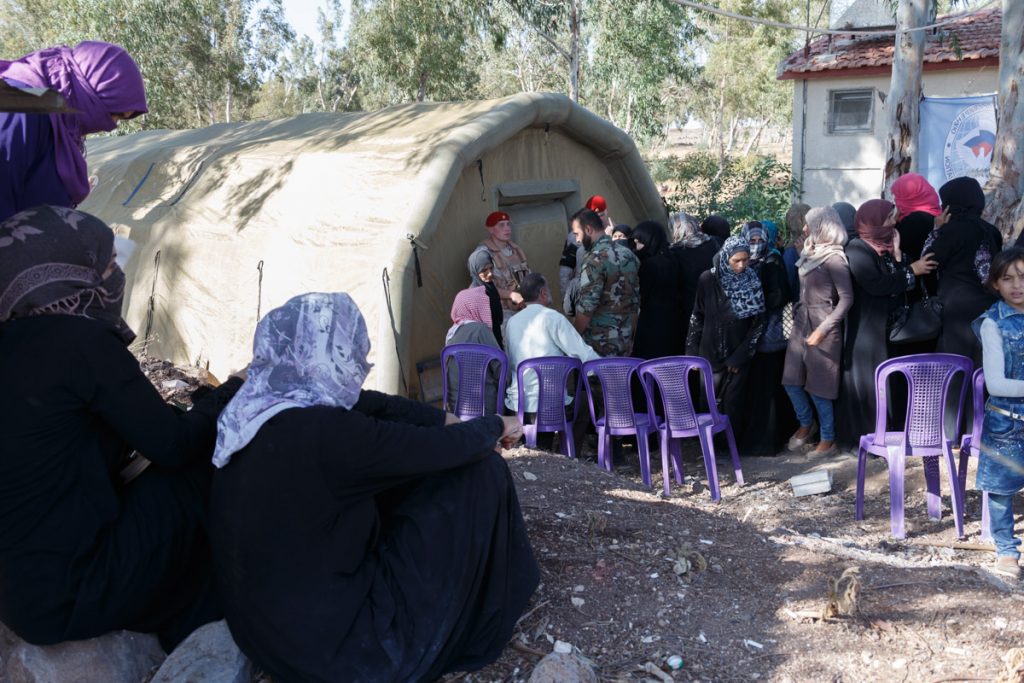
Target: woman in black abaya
{"type": "Point", "coordinates": [693, 251]}
{"type": "Point", "coordinates": [664, 319]}
{"type": "Point", "coordinates": [360, 536]}
{"type": "Point", "coordinates": [767, 427]}
{"type": "Point", "coordinates": [82, 552]}
{"type": "Point", "coordinates": [964, 247]}
{"type": "Point", "coordinates": [881, 275]}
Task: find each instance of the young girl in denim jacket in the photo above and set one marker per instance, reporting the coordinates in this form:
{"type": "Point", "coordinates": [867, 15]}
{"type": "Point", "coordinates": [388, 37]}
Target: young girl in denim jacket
{"type": "Point", "coordinates": [1001, 465]}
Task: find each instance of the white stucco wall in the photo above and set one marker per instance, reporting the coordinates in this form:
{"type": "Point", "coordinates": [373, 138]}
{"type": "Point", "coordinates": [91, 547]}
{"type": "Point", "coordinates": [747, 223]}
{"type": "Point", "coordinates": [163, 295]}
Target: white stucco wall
{"type": "Point", "coordinates": [848, 167]}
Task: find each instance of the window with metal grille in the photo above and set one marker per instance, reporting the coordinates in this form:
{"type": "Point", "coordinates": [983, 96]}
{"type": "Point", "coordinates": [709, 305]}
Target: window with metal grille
{"type": "Point", "coordinates": [849, 111]}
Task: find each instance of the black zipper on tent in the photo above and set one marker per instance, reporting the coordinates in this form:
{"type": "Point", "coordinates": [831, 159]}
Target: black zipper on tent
{"type": "Point", "coordinates": [416, 259]}
{"type": "Point", "coordinates": [385, 280]}
{"type": "Point", "coordinates": [152, 304]}
{"type": "Point", "coordinates": [483, 185]}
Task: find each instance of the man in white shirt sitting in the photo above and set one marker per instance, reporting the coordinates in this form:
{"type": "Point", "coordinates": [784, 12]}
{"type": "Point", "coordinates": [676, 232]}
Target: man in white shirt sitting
{"type": "Point", "coordinates": [538, 331]}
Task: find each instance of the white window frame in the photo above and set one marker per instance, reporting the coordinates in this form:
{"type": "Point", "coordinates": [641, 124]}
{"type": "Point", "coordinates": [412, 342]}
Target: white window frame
{"type": "Point", "coordinates": [867, 128]}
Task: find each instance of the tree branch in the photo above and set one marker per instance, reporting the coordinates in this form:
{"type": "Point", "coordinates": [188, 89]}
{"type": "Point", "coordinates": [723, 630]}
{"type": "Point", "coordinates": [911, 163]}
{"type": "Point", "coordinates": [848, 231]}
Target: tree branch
{"type": "Point", "coordinates": [543, 34]}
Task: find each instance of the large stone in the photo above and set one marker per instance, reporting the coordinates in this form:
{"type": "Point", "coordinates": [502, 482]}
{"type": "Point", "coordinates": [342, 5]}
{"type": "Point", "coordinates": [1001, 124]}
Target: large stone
{"type": "Point", "coordinates": [119, 657]}
{"type": "Point", "coordinates": [209, 655]}
{"type": "Point", "coordinates": [559, 667]}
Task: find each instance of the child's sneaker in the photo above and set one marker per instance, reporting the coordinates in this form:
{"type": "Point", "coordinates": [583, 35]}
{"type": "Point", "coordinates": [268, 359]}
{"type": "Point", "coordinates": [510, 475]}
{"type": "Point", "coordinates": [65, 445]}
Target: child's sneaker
{"type": "Point", "coordinates": [1007, 566]}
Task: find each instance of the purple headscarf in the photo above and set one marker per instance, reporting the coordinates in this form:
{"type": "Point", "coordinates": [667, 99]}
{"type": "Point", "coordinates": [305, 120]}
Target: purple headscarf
{"type": "Point", "coordinates": [52, 262]}
{"type": "Point", "coordinates": [96, 79]}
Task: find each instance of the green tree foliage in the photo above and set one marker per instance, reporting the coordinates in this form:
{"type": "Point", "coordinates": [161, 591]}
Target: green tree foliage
{"type": "Point", "coordinates": [307, 76]}
{"type": "Point", "coordinates": [740, 189]}
{"type": "Point", "coordinates": [737, 85]}
{"type": "Point", "coordinates": [515, 57]}
{"type": "Point", "coordinates": [636, 62]}
{"type": "Point", "coordinates": [415, 50]}
{"type": "Point", "coordinates": [199, 58]}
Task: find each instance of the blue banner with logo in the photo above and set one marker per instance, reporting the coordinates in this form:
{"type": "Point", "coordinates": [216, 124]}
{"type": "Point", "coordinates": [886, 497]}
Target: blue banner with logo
{"type": "Point", "coordinates": [957, 138]}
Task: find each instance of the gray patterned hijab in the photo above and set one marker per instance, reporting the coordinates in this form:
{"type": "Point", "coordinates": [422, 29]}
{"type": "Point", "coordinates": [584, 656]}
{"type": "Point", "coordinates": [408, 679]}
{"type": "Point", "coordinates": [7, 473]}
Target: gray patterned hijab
{"type": "Point", "coordinates": [309, 352]}
{"type": "Point", "coordinates": [686, 230]}
{"type": "Point", "coordinates": [52, 262]}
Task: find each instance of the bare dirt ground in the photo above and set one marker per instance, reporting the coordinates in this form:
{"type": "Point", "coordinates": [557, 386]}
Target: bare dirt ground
{"type": "Point", "coordinates": [740, 589]}
{"type": "Point", "coordinates": [748, 599]}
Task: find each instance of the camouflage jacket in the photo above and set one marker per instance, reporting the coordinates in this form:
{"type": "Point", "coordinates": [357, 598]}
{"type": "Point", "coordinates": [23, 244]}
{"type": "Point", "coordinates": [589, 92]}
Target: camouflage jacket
{"type": "Point", "coordinates": [610, 294]}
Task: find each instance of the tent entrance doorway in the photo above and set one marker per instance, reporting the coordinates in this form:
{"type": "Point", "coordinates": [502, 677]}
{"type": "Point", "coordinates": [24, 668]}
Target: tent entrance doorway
{"type": "Point", "coordinates": [540, 221]}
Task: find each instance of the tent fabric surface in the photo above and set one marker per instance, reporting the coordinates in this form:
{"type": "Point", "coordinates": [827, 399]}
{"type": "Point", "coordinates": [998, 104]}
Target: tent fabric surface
{"type": "Point", "coordinates": [234, 219]}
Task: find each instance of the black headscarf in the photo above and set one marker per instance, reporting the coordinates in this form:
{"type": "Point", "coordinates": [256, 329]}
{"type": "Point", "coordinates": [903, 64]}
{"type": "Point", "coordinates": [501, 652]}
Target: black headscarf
{"type": "Point", "coordinates": [652, 234]}
{"type": "Point", "coordinates": [966, 200]}
{"type": "Point", "coordinates": [717, 227]}
{"type": "Point", "coordinates": [847, 214]}
{"type": "Point", "coordinates": [963, 197]}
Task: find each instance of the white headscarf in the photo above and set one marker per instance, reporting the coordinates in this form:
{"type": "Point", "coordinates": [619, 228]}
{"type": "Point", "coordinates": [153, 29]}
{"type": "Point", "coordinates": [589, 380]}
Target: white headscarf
{"type": "Point", "coordinates": [309, 352]}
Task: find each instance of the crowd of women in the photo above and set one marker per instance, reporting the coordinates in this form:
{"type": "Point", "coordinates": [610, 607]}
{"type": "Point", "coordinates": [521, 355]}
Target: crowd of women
{"type": "Point", "coordinates": [810, 320]}
{"type": "Point", "coordinates": [346, 534]}
{"type": "Point", "coordinates": [794, 328]}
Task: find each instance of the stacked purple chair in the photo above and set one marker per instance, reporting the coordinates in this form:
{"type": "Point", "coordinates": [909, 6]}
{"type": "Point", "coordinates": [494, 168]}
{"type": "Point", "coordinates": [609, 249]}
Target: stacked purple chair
{"type": "Point", "coordinates": [929, 376]}
{"type": "Point", "coordinates": [618, 418]}
{"type": "Point", "coordinates": [473, 362]}
{"type": "Point", "coordinates": [971, 445]}
{"type": "Point", "coordinates": [681, 419]}
{"type": "Point", "coordinates": [553, 373]}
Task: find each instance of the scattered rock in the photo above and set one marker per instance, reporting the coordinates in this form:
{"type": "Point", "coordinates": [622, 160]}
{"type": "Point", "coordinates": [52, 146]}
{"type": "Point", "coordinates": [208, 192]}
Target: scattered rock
{"type": "Point", "coordinates": [559, 667]}
{"type": "Point", "coordinates": [1013, 667]}
{"type": "Point", "coordinates": [119, 657]}
{"type": "Point", "coordinates": [209, 655]}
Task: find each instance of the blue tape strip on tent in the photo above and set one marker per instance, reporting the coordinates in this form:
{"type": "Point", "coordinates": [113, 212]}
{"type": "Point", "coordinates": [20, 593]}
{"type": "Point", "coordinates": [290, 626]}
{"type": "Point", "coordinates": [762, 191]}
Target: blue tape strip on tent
{"type": "Point", "coordinates": [139, 186]}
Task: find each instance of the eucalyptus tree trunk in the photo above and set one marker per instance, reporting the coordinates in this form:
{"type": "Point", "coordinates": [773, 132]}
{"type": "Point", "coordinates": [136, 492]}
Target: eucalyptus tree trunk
{"type": "Point", "coordinates": [575, 19]}
{"type": "Point", "coordinates": [902, 104]}
{"type": "Point", "coordinates": [1005, 187]}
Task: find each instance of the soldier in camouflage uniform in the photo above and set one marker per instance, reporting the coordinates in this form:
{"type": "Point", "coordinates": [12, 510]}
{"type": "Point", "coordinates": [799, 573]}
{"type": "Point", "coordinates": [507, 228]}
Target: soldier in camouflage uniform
{"type": "Point", "coordinates": [609, 291]}
{"type": "Point", "coordinates": [510, 266]}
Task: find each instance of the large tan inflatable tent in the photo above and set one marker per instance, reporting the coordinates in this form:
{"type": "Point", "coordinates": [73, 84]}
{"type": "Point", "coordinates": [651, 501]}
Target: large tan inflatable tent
{"type": "Point", "coordinates": [234, 219]}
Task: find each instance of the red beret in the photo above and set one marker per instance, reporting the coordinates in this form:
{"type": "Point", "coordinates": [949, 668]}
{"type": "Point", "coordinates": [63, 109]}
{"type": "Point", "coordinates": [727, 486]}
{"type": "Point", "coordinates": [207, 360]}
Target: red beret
{"type": "Point", "coordinates": [597, 203]}
{"type": "Point", "coordinates": [496, 217]}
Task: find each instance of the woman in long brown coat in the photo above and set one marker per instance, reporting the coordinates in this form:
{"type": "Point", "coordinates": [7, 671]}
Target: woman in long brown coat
{"type": "Point", "coordinates": [816, 344]}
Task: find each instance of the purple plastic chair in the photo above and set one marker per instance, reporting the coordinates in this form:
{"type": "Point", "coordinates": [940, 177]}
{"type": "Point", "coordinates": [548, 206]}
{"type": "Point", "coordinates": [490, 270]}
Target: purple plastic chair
{"type": "Point", "coordinates": [552, 376]}
{"type": "Point", "coordinates": [473, 362]}
{"type": "Point", "coordinates": [971, 445]}
{"type": "Point", "coordinates": [929, 376]}
{"type": "Point", "coordinates": [615, 377]}
{"type": "Point", "coordinates": [670, 376]}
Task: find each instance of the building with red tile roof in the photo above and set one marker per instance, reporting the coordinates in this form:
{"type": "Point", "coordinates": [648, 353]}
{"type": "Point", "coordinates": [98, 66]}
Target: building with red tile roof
{"type": "Point", "coordinates": [839, 86]}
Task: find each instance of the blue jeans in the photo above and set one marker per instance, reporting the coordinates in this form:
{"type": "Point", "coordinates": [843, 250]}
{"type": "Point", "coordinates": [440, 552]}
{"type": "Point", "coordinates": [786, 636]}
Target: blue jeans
{"type": "Point", "coordinates": [1000, 511]}
{"type": "Point", "coordinates": [801, 401]}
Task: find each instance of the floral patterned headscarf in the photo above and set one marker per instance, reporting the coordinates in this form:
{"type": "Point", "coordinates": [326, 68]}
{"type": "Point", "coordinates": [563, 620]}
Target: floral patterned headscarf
{"type": "Point", "coordinates": [309, 352]}
{"type": "Point", "coordinates": [52, 262]}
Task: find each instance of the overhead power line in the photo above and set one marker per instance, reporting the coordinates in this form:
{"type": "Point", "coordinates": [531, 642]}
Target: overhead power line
{"type": "Point", "coordinates": [950, 19]}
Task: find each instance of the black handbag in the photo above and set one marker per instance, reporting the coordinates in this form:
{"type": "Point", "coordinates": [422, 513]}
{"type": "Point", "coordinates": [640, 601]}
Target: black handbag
{"type": "Point", "coordinates": [916, 322]}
